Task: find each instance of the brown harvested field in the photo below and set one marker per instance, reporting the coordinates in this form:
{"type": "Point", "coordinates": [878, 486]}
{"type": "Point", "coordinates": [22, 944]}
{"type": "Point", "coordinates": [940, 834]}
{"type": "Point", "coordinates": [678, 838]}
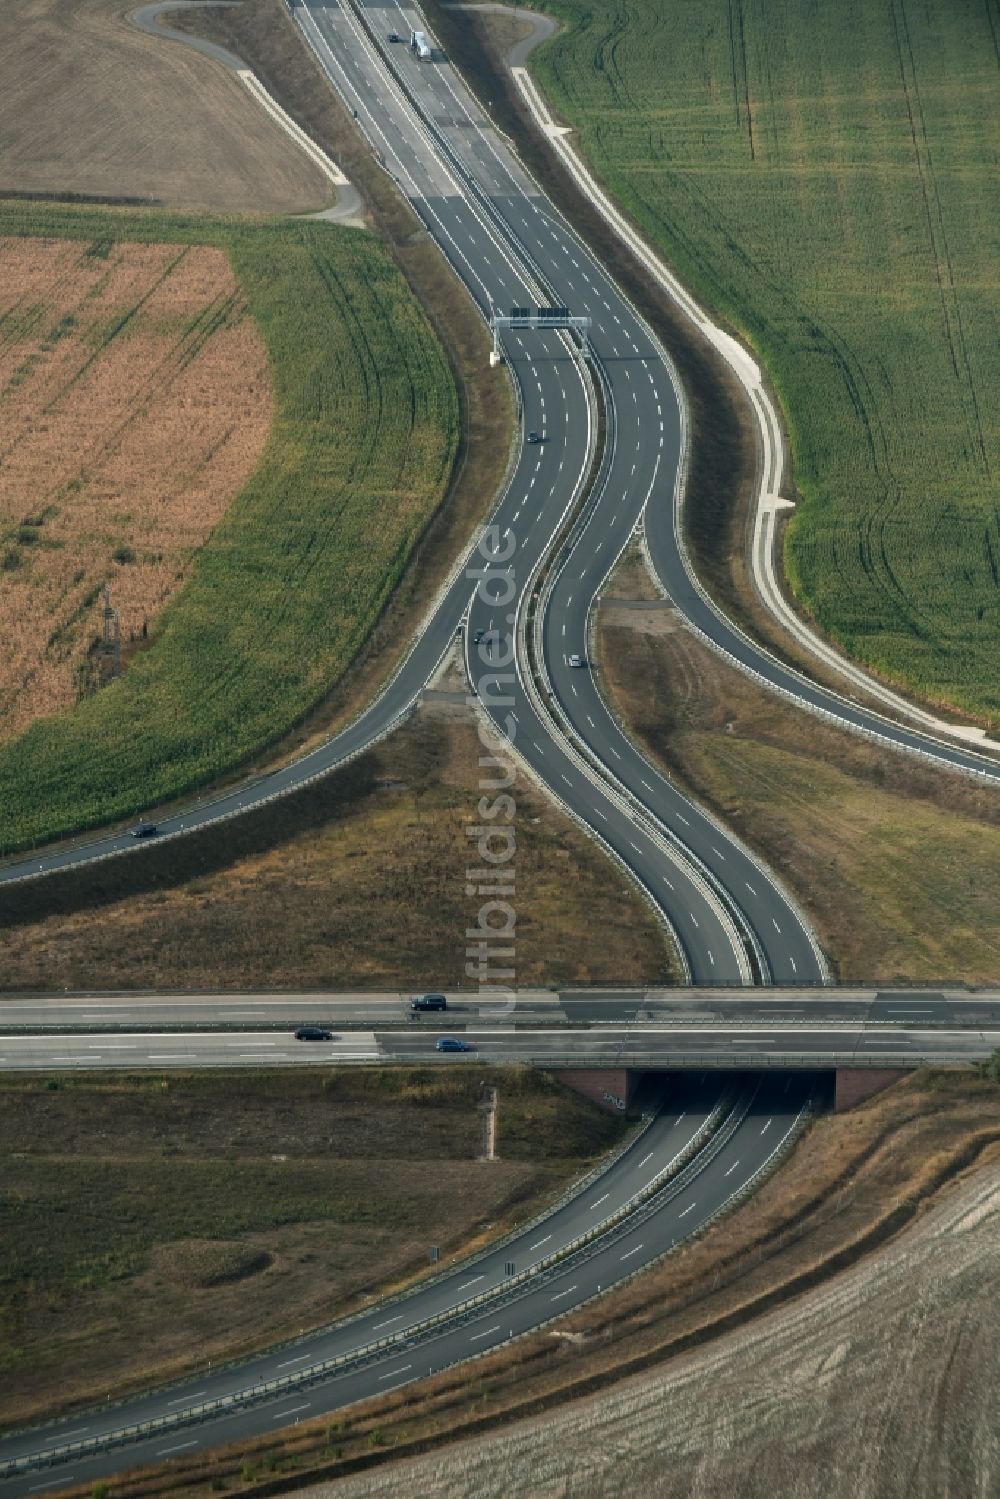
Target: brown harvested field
{"type": "Point", "coordinates": [796, 1344]}
{"type": "Point", "coordinates": [896, 864]}
{"type": "Point", "coordinates": [881, 1386]}
{"type": "Point", "coordinates": [201, 1215]}
{"type": "Point", "coordinates": [356, 881]}
{"type": "Point", "coordinates": [90, 105]}
{"type": "Point", "coordinates": [135, 400]}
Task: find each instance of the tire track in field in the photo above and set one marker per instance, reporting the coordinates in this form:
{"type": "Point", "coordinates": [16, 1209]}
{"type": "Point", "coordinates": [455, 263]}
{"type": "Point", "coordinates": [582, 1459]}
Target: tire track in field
{"type": "Point", "coordinates": [935, 217]}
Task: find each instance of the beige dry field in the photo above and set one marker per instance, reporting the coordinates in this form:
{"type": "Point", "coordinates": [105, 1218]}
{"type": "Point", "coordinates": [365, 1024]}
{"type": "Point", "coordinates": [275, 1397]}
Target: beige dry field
{"type": "Point", "coordinates": [882, 1385]}
{"type": "Point", "coordinates": [135, 400]}
{"type": "Point", "coordinates": [90, 105]}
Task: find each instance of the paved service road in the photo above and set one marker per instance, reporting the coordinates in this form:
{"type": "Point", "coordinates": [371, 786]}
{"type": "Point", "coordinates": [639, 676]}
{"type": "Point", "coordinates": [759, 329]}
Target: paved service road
{"type": "Point", "coordinates": [753, 1119]}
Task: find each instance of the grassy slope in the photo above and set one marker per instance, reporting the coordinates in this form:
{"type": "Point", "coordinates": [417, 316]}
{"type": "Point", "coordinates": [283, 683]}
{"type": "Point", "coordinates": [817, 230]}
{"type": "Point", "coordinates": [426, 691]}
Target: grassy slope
{"type": "Point", "coordinates": [824, 175]}
{"type": "Point", "coordinates": [211, 1211]}
{"type": "Point", "coordinates": [896, 865]}
{"type": "Point", "coordinates": [293, 579]}
{"type": "Point", "coordinates": [318, 891]}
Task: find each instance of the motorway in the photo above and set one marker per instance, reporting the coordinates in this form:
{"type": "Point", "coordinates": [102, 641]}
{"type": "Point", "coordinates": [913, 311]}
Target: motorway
{"type": "Point", "coordinates": [781, 1041]}
{"type": "Point", "coordinates": [705, 1147]}
{"type": "Point", "coordinates": [732, 920]}
{"type": "Point", "coordinates": [106, 1013]}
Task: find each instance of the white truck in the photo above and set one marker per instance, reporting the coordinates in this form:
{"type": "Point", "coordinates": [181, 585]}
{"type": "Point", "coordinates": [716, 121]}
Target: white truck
{"type": "Point", "coordinates": [421, 46]}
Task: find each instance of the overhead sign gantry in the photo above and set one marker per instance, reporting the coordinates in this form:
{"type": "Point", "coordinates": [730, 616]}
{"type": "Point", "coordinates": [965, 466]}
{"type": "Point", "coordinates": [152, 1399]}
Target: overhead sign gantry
{"type": "Point", "coordinates": [539, 317]}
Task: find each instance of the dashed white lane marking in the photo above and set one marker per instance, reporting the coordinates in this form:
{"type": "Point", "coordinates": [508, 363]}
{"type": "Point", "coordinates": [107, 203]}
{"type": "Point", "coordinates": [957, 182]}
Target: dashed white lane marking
{"type": "Point", "coordinates": [718, 852]}
{"type": "Point", "coordinates": [683, 819]}
{"type": "Point", "coordinates": [162, 1452]}
{"type": "Point", "coordinates": [302, 1356]}
{"type": "Point", "coordinates": [750, 888]}
{"type": "Point", "coordinates": [471, 1282]}
{"type": "Point", "coordinates": [731, 1169]}
{"type": "Point", "coordinates": [666, 881]}
{"type": "Point", "coordinates": [694, 918]}
{"type": "Point", "coordinates": [568, 781]}
{"type": "Point", "coordinates": [539, 1244]}
{"type": "Point", "coordinates": [393, 1372]}
{"type": "Point", "coordinates": [637, 848]}
{"type": "Point", "coordinates": [687, 1210]}
{"type": "Point", "coordinates": [777, 928]}
{"type": "Point", "coordinates": [630, 1253]}
{"type": "Point", "coordinates": [647, 1157]}
{"type": "Point", "coordinates": [477, 1337]}
{"type": "Point", "coordinates": [597, 1204]}
{"type": "Point", "coordinates": [387, 1323]}
{"type": "Point", "coordinates": [766, 1126]}
{"type": "Point", "coordinates": [564, 1293]}
{"type": "Point", "coordinates": [710, 958]}
{"type": "Point", "coordinates": [283, 1415]}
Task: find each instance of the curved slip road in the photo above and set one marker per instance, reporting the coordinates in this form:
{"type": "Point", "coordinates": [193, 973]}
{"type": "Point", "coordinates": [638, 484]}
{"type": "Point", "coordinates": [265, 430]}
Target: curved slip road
{"type": "Point", "coordinates": [764, 1115]}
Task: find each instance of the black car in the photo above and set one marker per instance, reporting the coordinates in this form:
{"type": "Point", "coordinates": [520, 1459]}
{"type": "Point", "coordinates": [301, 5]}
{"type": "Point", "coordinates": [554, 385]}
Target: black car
{"type": "Point", "coordinates": [429, 1002]}
{"type": "Point", "coordinates": [393, 37]}
{"type": "Point", "coordinates": [144, 830]}
{"type": "Point", "coordinates": [535, 437]}
{"type": "Point", "coordinates": [478, 636]}
{"type": "Point", "coordinates": [313, 1033]}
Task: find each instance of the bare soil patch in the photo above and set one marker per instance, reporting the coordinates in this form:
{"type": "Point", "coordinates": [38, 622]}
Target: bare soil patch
{"type": "Point", "coordinates": [135, 400]}
{"type": "Point", "coordinates": [203, 1215]}
{"type": "Point", "coordinates": [897, 864]}
{"type": "Point", "coordinates": [90, 105]}
{"type": "Point", "coordinates": [358, 881]}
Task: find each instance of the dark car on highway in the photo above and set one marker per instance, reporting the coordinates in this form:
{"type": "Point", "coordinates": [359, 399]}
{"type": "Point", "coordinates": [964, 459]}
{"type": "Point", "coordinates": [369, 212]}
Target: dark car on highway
{"type": "Point", "coordinates": [313, 1033]}
{"type": "Point", "coordinates": [144, 830]}
{"type": "Point", "coordinates": [429, 1002]}
{"type": "Point", "coordinates": [452, 1043]}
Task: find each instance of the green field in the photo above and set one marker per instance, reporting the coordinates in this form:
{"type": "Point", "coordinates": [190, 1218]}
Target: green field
{"type": "Point", "coordinates": [825, 176]}
{"type": "Point", "coordinates": [280, 599]}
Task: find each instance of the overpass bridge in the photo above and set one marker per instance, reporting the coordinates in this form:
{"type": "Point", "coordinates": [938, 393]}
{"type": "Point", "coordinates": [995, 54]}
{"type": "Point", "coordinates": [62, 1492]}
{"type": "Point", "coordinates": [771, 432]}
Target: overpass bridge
{"type": "Point", "coordinates": [601, 1041]}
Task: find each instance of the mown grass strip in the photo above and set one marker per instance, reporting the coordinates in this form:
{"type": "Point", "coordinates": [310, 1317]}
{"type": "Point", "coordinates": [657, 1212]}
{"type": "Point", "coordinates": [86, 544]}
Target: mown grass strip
{"type": "Point", "coordinates": [825, 178]}
{"type": "Point", "coordinates": [293, 579]}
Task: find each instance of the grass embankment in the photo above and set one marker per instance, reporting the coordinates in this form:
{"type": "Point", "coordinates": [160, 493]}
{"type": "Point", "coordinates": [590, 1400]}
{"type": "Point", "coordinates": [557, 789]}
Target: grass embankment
{"type": "Point", "coordinates": [144, 1217]}
{"type": "Point", "coordinates": [851, 1186]}
{"type": "Point", "coordinates": [297, 573]}
{"type": "Point", "coordinates": [896, 864]}
{"type": "Point", "coordinates": [823, 177]}
{"type": "Point", "coordinates": [358, 880]}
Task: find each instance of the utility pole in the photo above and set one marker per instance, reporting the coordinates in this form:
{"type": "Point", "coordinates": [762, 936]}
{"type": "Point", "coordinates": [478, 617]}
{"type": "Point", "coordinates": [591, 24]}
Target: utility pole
{"type": "Point", "coordinates": [488, 1109]}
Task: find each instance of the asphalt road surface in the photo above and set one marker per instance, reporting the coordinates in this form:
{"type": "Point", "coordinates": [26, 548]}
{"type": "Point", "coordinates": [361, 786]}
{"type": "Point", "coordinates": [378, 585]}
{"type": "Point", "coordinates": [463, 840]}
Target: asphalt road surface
{"type": "Point", "coordinates": [758, 1116]}
{"type": "Point", "coordinates": [777, 1042]}
{"type": "Point", "coordinates": [107, 1013]}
